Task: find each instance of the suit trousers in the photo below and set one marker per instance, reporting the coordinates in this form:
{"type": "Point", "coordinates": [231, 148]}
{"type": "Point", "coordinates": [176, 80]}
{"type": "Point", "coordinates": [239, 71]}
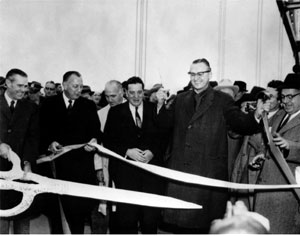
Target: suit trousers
{"type": "Point", "coordinates": [20, 226]}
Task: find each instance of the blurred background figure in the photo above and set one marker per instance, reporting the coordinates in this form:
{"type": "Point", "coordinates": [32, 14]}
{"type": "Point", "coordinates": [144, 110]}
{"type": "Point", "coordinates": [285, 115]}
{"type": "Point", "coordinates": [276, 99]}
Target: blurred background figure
{"type": "Point", "coordinates": [96, 97]}
{"type": "Point", "coordinates": [2, 85]}
{"type": "Point", "coordinates": [58, 88]}
{"type": "Point", "coordinates": [150, 94]}
{"type": "Point", "coordinates": [87, 92]}
{"type": "Point", "coordinates": [226, 86]}
{"type": "Point", "coordinates": [49, 89]}
{"type": "Point", "coordinates": [34, 92]}
{"type": "Point", "coordinates": [238, 220]}
{"type": "Point", "coordinates": [242, 90]}
{"type": "Point", "coordinates": [213, 83]}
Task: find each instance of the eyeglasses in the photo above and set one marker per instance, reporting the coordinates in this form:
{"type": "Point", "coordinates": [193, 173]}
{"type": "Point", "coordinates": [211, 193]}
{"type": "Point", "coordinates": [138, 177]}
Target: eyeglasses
{"type": "Point", "coordinates": [47, 88]}
{"type": "Point", "coordinates": [199, 74]}
{"type": "Point", "coordinates": [288, 96]}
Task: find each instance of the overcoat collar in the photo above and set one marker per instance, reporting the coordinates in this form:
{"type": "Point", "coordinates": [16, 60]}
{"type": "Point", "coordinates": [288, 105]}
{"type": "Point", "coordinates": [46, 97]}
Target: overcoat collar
{"type": "Point", "coordinates": [205, 104]}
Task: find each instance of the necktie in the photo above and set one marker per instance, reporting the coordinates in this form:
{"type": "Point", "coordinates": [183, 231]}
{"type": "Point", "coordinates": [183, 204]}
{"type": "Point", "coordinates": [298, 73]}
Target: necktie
{"type": "Point", "coordinates": [283, 122]}
{"type": "Point", "coordinates": [70, 105]}
{"type": "Point", "coordinates": [12, 106]}
{"type": "Point", "coordinates": [138, 120]}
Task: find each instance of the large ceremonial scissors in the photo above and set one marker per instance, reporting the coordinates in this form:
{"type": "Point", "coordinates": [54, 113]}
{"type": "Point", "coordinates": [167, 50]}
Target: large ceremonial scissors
{"type": "Point", "coordinates": [43, 184]}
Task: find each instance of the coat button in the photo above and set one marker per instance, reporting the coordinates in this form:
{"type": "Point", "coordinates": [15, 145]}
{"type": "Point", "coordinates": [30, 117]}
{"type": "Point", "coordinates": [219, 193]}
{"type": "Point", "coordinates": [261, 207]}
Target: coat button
{"type": "Point", "coordinates": [9, 131]}
{"type": "Point", "coordinates": [190, 126]}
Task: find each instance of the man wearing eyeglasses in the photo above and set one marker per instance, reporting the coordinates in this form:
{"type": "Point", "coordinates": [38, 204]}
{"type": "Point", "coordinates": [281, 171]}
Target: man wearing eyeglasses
{"type": "Point", "coordinates": [282, 207]}
{"type": "Point", "coordinates": [199, 120]}
{"type": "Point", "coordinates": [50, 89]}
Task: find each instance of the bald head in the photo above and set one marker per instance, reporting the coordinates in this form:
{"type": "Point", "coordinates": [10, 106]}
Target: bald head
{"type": "Point", "coordinates": [113, 92]}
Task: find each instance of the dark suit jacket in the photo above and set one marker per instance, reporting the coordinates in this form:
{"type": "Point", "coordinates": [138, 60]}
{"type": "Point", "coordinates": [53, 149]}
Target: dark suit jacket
{"type": "Point", "coordinates": [78, 127]}
{"type": "Point", "coordinates": [20, 131]}
{"type": "Point", "coordinates": [121, 134]}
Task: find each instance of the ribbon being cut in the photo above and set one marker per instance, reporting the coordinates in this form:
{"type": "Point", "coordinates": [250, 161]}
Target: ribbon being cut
{"type": "Point", "coordinates": [44, 184]}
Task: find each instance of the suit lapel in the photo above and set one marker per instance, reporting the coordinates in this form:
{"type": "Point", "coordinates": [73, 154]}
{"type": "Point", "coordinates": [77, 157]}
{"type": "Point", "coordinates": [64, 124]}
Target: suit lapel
{"type": "Point", "coordinates": [205, 103]}
{"type": "Point", "coordinates": [129, 115]}
{"type": "Point", "coordinates": [291, 124]}
{"type": "Point", "coordinates": [4, 108]}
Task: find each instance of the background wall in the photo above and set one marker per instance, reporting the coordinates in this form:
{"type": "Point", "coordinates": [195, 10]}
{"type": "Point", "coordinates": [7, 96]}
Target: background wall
{"type": "Point", "coordinates": [155, 39]}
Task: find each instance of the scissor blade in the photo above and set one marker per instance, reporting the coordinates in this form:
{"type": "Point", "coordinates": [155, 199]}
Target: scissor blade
{"type": "Point", "coordinates": [120, 195]}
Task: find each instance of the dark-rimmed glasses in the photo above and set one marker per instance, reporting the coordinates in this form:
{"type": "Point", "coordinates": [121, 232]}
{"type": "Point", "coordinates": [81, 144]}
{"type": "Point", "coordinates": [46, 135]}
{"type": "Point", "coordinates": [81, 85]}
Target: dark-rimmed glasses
{"type": "Point", "coordinates": [199, 74]}
{"type": "Point", "coordinates": [288, 96]}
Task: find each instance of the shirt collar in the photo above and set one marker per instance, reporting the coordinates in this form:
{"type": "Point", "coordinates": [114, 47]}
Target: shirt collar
{"type": "Point", "coordinates": [294, 115]}
{"type": "Point", "coordinates": [140, 110]}
{"type": "Point", "coordinates": [8, 99]}
{"type": "Point", "coordinates": [66, 99]}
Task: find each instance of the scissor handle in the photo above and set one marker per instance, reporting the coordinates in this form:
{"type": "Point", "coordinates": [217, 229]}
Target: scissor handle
{"type": "Point", "coordinates": [27, 199]}
{"type": "Point", "coordinates": [7, 183]}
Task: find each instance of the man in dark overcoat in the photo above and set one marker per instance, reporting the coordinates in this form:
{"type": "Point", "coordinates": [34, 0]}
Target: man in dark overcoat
{"type": "Point", "coordinates": [19, 131]}
{"type": "Point", "coordinates": [200, 118]}
{"type": "Point", "coordinates": [68, 119]}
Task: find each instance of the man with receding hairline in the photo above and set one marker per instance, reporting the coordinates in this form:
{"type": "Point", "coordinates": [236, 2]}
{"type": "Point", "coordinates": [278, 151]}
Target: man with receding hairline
{"type": "Point", "coordinates": [68, 119]}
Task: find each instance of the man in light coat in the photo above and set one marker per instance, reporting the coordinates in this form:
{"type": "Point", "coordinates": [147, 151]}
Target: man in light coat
{"type": "Point", "coordinates": [282, 207]}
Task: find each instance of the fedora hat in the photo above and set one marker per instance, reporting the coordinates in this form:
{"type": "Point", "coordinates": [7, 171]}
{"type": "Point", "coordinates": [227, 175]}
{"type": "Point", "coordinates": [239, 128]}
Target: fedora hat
{"type": "Point", "coordinates": [242, 85]}
{"type": "Point", "coordinates": [227, 83]}
{"type": "Point", "coordinates": [291, 81]}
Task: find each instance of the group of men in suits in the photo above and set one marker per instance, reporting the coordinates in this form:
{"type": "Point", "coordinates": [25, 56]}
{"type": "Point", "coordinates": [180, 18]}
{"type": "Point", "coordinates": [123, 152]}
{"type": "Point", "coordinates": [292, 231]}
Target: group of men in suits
{"type": "Point", "coordinates": [196, 122]}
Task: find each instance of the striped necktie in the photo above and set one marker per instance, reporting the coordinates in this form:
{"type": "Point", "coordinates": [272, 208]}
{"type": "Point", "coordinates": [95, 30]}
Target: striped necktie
{"type": "Point", "coordinates": [138, 120]}
{"type": "Point", "coordinates": [283, 122]}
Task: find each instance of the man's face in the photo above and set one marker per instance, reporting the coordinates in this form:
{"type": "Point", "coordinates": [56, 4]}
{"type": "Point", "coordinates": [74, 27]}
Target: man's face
{"type": "Point", "coordinates": [290, 105]}
{"type": "Point", "coordinates": [59, 88]}
{"type": "Point", "coordinates": [49, 89]}
{"type": "Point", "coordinates": [273, 94]}
{"type": "Point", "coordinates": [96, 97]}
{"type": "Point", "coordinates": [135, 94]}
{"type": "Point", "coordinates": [16, 86]}
{"type": "Point", "coordinates": [73, 87]}
{"type": "Point", "coordinates": [200, 75]}
{"type": "Point", "coordinates": [113, 95]}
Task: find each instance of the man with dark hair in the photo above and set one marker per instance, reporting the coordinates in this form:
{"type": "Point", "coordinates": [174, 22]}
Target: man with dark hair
{"type": "Point", "coordinates": [130, 131]}
{"type": "Point", "coordinates": [50, 89]}
{"type": "Point", "coordinates": [58, 88]}
{"type": "Point", "coordinates": [199, 121]}
{"type": "Point", "coordinates": [68, 119]}
{"type": "Point", "coordinates": [19, 132]}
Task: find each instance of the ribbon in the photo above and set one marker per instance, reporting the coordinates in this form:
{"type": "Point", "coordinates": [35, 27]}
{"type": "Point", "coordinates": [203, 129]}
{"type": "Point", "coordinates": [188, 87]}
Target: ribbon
{"type": "Point", "coordinates": [181, 176]}
{"type": "Point", "coordinates": [191, 178]}
{"type": "Point", "coordinates": [53, 156]}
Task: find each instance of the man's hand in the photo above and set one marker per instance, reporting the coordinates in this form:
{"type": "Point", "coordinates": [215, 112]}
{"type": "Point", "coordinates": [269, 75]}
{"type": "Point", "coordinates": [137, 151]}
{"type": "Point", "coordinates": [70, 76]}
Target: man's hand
{"type": "Point", "coordinates": [136, 154]}
{"type": "Point", "coordinates": [280, 141]}
{"type": "Point", "coordinates": [161, 97]}
{"type": "Point", "coordinates": [148, 155]}
{"type": "Point", "coordinates": [27, 167]}
{"type": "Point", "coordinates": [55, 147]}
{"type": "Point", "coordinates": [100, 176]}
{"type": "Point", "coordinates": [4, 150]}
{"type": "Point", "coordinates": [262, 107]}
{"type": "Point", "coordinates": [90, 148]}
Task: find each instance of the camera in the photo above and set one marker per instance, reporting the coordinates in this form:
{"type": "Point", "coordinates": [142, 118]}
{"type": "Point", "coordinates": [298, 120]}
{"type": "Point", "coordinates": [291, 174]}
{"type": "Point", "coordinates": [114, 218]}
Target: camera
{"type": "Point", "coordinates": [250, 106]}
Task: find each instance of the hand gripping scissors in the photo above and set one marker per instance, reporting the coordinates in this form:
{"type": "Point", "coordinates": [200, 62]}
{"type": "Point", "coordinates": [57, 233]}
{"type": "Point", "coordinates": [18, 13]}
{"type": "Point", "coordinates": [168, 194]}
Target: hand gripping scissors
{"type": "Point", "coordinates": [43, 184]}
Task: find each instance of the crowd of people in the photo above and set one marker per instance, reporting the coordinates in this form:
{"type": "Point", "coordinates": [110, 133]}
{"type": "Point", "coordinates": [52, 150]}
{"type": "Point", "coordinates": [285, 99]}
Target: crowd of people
{"type": "Point", "coordinates": [209, 128]}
